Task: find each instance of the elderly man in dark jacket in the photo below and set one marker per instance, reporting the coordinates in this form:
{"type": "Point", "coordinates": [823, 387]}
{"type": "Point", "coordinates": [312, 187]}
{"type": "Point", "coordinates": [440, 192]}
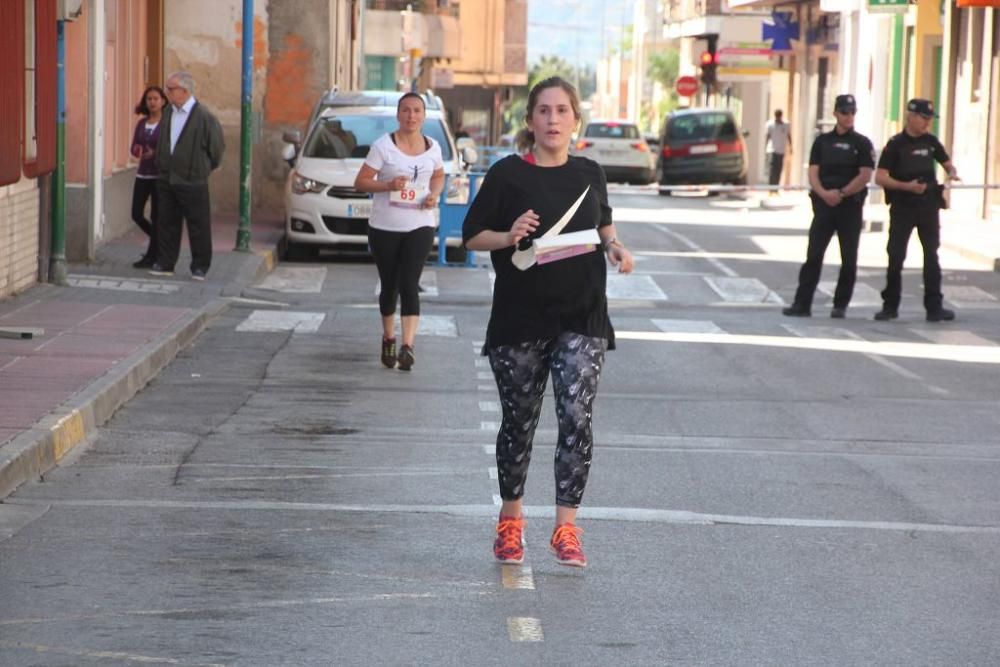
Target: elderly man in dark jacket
{"type": "Point", "coordinates": [190, 148]}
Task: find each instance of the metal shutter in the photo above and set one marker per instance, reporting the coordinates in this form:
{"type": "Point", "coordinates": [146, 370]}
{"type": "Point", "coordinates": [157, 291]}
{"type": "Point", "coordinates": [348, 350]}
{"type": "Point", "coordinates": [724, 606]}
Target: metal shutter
{"type": "Point", "coordinates": [45, 90]}
{"type": "Point", "coordinates": [11, 89]}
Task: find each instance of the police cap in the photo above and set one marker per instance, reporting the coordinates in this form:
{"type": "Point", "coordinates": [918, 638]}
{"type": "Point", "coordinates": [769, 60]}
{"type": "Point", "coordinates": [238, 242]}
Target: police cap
{"type": "Point", "coordinates": [923, 107]}
{"type": "Point", "coordinates": [845, 103]}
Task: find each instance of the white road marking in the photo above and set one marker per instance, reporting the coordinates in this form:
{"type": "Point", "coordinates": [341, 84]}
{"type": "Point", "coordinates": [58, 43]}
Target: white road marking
{"type": "Point", "coordinates": [864, 295]}
{"type": "Point", "coordinates": [629, 514]}
{"type": "Point", "coordinates": [711, 258]}
{"type": "Point", "coordinates": [274, 320]}
{"type": "Point", "coordinates": [109, 655]}
{"type": "Point", "coordinates": [264, 604]}
{"type": "Point", "coordinates": [486, 387]}
{"type": "Point", "coordinates": [122, 285]}
{"type": "Point", "coordinates": [742, 290]}
{"type": "Point", "coordinates": [295, 279]}
{"type": "Point", "coordinates": [484, 375]}
{"type": "Point", "coordinates": [517, 577]}
{"type": "Point", "coordinates": [482, 362]}
{"type": "Point", "coordinates": [494, 473]}
{"type": "Point", "coordinates": [952, 337]}
{"type": "Point", "coordinates": [489, 426]}
{"type": "Point", "coordinates": [688, 326]}
{"type": "Point", "coordinates": [497, 501]}
{"type": "Point", "coordinates": [489, 406]}
{"type": "Point", "coordinates": [490, 449]}
{"type": "Point", "coordinates": [973, 354]}
{"type": "Point", "coordinates": [435, 325]}
{"type": "Point", "coordinates": [966, 294]}
{"type": "Point", "coordinates": [524, 629]}
{"type": "Point", "coordinates": [633, 288]}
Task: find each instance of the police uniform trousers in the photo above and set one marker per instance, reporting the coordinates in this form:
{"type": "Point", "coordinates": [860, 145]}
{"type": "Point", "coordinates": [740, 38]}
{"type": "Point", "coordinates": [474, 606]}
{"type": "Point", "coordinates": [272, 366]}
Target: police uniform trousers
{"type": "Point", "coordinates": [179, 204]}
{"type": "Point", "coordinates": [902, 221]}
{"type": "Point", "coordinates": [844, 221]}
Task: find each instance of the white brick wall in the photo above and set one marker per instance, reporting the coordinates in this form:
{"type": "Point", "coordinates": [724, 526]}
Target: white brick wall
{"type": "Point", "coordinates": [18, 237]}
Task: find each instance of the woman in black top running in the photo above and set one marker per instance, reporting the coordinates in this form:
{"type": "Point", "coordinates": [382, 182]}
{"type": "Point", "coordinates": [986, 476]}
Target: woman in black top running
{"type": "Point", "coordinates": [548, 317]}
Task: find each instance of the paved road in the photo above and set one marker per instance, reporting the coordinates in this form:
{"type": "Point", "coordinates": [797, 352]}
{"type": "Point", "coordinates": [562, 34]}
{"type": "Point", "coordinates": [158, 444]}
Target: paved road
{"type": "Point", "coordinates": [764, 490]}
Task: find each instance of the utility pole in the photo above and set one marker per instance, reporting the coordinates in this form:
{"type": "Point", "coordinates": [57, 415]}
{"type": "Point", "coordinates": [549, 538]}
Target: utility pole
{"type": "Point", "coordinates": [246, 147]}
{"type": "Point", "coordinates": [57, 258]}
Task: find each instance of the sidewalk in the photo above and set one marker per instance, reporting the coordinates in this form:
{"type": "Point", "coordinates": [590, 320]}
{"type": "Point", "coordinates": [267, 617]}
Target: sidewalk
{"type": "Point", "coordinates": [105, 336]}
{"type": "Point", "coordinates": [976, 239]}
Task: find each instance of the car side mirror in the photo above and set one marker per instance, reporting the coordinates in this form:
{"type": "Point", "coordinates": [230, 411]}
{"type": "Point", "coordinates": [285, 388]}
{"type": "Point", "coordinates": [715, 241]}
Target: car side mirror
{"type": "Point", "coordinates": [470, 156]}
{"type": "Point", "coordinates": [289, 153]}
{"type": "Point", "coordinates": [292, 137]}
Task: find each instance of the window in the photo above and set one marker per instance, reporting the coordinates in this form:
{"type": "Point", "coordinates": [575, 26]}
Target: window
{"type": "Point", "coordinates": [612, 131]}
{"type": "Point", "coordinates": [339, 137]}
{"type": "Point", "coordinates": [701, 127]}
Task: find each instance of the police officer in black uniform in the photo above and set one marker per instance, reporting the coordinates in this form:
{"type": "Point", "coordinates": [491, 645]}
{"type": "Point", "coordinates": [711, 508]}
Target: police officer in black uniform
{"type": "Point", "coordinates": [906, 170]}
{"type": "Point", "coordinates": [840, 164]}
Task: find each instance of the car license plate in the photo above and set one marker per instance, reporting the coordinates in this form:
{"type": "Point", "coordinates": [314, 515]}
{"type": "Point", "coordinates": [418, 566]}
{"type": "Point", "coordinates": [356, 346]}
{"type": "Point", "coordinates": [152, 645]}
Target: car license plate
{"type": "Point", "coordinates": [359, 210]}
{"type": "Point", "coordinates": [702, 149]}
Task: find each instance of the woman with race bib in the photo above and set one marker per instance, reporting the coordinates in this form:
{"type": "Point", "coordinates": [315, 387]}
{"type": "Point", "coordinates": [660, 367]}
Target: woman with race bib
{"type": "Point", "coordinates": [405, 171]}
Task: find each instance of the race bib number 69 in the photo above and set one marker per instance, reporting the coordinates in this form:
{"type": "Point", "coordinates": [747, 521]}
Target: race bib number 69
{"type": "Point", "coordinates": [412, 196]}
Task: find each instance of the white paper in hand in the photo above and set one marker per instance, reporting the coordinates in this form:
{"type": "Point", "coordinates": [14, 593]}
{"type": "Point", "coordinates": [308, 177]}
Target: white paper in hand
{"type": "Point", "coordinates": [525, 259]}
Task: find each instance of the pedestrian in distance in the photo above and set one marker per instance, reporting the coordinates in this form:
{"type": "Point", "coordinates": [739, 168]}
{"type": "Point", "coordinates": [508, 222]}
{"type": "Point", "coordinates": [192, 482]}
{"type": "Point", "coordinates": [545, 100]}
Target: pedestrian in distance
{"type": "Point", "coordinates": [144, 140]}
{"type": "Point", "coordinates": [778, 142]}
{"type": "Point", "coordinates": [841, 162]}
{"type": "Point", "coordinates": [547, 318]}
{"type": "Point", "coordinates": [907, 172]}
{"type": "Point", "coordinates": [405, 171]}
{"type": "Point", "coordinates": [190, 147]}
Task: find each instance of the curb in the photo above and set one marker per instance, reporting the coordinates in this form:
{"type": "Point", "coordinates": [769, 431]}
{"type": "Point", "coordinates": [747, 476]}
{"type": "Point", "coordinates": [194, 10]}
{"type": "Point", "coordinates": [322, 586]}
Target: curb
{"type": "Point", "coordinates": [38, 450]}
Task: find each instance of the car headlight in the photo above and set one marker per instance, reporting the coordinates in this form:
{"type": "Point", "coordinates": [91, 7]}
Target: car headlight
{"type": "Point", "coordinates": [301, 185]}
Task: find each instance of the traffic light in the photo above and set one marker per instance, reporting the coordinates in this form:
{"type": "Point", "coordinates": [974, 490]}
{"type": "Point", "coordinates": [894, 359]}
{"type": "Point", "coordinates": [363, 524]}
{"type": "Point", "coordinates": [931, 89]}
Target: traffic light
{"type": "Point", "coordinates": [709, 64]}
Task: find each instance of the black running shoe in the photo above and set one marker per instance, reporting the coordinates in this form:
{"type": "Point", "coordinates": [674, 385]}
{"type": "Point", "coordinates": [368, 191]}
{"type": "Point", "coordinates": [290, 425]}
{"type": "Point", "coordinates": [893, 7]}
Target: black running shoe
{"type": "Point", "coordinates": [940, 315]}
{"type": "Point", "coordinates": [796, 310]}
{"type": "Point", "coordinates": [886, 314]}
{"type": "Point", "coordinates": [405, 358]}
{"type": "Point", "coordinates": [389, 352]}
{"type": "Point", "coordinates": [838, 313]}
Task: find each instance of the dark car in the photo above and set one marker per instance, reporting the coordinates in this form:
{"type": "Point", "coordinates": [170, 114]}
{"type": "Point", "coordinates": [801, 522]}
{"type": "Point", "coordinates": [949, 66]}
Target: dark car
{"type": "Point", "coordinates": [701, 146]}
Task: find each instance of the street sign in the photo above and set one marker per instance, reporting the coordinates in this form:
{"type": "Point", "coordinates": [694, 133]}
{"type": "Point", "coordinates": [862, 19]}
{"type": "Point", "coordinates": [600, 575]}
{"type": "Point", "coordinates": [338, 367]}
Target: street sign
{"type": "Point", "coordinates": [888, 6]}
{"type": "Point", "coordinates": [686, 86]}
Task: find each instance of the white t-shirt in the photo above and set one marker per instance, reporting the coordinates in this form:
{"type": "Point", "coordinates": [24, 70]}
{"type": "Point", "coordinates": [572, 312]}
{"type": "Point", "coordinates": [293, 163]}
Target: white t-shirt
{"type": "Point", "coordinates": [777, 137]}
{"type": "Point", "coordinates": [403, 211]}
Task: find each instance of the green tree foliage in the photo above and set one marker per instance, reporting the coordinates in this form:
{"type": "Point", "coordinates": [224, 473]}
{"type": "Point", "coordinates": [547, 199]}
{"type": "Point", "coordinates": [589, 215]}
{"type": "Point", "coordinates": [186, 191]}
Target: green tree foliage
{"type": "Point", "coordinates": [663, 68]}
{"type": "Point", "coordinates": [548, 66]}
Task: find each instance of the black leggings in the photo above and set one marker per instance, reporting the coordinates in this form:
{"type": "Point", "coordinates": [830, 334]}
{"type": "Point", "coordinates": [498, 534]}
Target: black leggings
{"type": "Point", "coordinates": [521, 372]}
{"type": "Point", "coordinates": [144, 190]}
{"type": "Point", "coordinates": [400, 258]}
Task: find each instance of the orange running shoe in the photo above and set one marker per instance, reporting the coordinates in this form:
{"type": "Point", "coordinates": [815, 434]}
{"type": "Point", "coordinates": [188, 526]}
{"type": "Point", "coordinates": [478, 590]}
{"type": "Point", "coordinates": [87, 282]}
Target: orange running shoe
{"type": "Point", "coordinates": [509, 545]}
{"type": "Point", "coordinates": [566, 545]}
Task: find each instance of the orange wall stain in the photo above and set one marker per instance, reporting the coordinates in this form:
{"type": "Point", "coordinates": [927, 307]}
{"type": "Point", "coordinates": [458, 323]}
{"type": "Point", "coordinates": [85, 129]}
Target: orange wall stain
{"type": "Point", "coordinates": [260, 54]}
{"type": "Point", "coordinates": [290, 95]}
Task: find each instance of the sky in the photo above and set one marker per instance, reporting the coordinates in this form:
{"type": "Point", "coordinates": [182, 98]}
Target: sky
{"type": "Point", "coordinates": [571, 29]}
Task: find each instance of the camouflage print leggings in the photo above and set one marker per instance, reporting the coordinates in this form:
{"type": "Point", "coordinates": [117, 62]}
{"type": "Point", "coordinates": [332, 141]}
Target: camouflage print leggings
{"type": "Point", "coordinates": [521, 373]}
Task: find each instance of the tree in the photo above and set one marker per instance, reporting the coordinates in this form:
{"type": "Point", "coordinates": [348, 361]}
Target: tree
{"type": "Point", "coordinates": [663, 68]}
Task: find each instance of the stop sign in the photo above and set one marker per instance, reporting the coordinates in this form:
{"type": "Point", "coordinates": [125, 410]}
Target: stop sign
{"type": "Point", "coordinates": [686, 86]}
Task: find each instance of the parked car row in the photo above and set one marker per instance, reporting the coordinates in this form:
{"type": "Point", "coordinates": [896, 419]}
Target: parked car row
{"type": "Point", "coordinates": [694, 147]}
{"type": "Point", "coordinates": [322, 208]}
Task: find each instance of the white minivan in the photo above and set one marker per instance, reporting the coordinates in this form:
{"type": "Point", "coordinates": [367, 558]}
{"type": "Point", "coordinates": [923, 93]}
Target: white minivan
{"type": "Point", "coordinates": [322, 208]}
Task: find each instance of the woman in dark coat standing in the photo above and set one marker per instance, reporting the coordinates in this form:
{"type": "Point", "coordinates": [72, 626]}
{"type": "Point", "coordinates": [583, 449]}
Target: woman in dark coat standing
{"type": "Point", "coordinates": [147, 133]}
